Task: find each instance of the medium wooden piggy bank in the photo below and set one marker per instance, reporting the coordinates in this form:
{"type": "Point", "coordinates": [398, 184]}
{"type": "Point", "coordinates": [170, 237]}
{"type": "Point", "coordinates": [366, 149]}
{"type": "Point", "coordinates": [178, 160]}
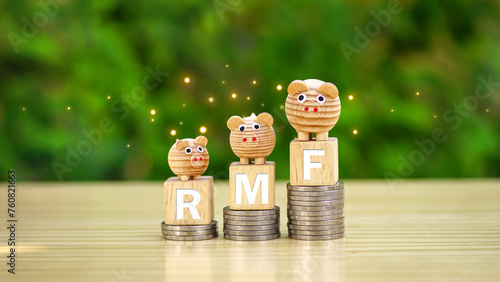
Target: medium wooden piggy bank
{"type": "Point", "coordinates": [252, 137]}
{"type": "Point", "coordinates": [188, 158]}
{"type": "Point", "coordinates": [312, 106]}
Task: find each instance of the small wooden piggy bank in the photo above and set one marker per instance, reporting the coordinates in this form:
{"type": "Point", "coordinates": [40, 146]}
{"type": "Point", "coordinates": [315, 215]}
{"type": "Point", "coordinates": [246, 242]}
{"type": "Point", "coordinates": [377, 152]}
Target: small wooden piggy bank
{"type": "Point", "coordinates": [252, 137]}
{"type": "Point", "coordinates": [312, 106]}
{"type": "Point", "coordinates": [188, 158]}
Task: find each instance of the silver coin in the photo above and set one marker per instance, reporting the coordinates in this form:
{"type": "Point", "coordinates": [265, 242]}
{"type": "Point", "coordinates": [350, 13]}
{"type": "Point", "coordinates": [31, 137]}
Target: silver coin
{"type": "Point", "coordinates": [190, 238]}
{"type": "Point", "coordinates": [316, 208]}
{"type": "Point", "coordinates": [316, 233]}
{"type": "Point", "coordinates": [316, 238]}
{"type": "Point", "coordinates": [251, 227]}
{"type": "Point", "coordinates": [315, 218]}
{"type": "Point", "coordinates": [314, 227]}
{"type": "Point", "coordinates": [337, 212]}
{"type": "Point", "coordinates": [315, 199]}
{"type": "Point", "coordinates": [317, 203]}
{"type": "Point", "coordinates": [189, 227]}
{"type": "Point", "coordinates": [320, 222]}
{"type": "Point", "coordinates": [251, 233]}
{"type": "Point", "coordinates": [255, 222]}
{"type": "Point", "coordinates": [252, 238]}
{"type": "Point", "coordinates": [337, 186]}
{"type": "Point", "coordinates": [229, 211]}
{"type": "Point", "coordinates": [189, 233]}
{"type": "Point", "coordinates": [316, 194]}
{"type": "Point", "coordinates": [250, 218]}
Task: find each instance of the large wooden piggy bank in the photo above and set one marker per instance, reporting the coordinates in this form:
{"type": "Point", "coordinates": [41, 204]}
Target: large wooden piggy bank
{"type": "Point", "coordinates": [312, 106]}
{"type": "Point", "coordinates": [188, 158]}
{"type": "Point", "coordinates": [252, 137]}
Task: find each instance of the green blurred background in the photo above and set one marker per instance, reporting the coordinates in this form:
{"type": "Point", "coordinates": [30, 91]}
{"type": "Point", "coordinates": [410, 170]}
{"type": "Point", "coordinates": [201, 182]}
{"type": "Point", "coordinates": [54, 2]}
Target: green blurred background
{"type": "Point", "coordinates": [66, 68]}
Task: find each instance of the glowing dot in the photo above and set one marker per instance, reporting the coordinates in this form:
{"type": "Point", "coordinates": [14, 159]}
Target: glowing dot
{"type": "Point", "coordinates": [211, 99]}
{"type": "Point", "coordinates": [282, 107]}
{"type": "Point", "coordinates": [227, 66]}
{"type": "Point", "coordinates": [487, 110]}
{"type": "Point", "coordinates": [183, 105]}
{"type": "Point", "coordinates": [354, 132]}
{"type": "Point", "coordinates": [69, 108]}
{"type": "Point", "coordinates": [152, 120]}
{"type": "Point", "coordinates": [233, 95]}
{"type": "Point", "coordinates": [203, 129]}
{"type": "Point", "coordinates": [128, 145]}
{"type": "Point", "coordinates": [279, 87]}
{"type": "Point", "coordinates": [351, 97]}
{"type": "Point", "coordinates": [435, 116]}
{"type": "Point", "coordinates": [24, 109]}
{"type": "Point", "coordinates": [173, 132]}
{"type": "Point", "coordinates": [254, 82]}
{"type": "Point", "coordinates": [180, 123]}
{"type": "Point", "coordinates": [392, 110]}
{"type": "Point", "coordinates": [223, 82]}
{"type": "Point", "coordinates": [248, 98]}
{"type": "Point", "coordinates": [109, 97]}
{"type": "Point", "coordinates": [187, 80]}
{"type": "Point", "coordinates": [418, 94]}
{"type": "Point", "coordinates": [153, 112]}
{"type": "Point", "coordinates": [262, 105]}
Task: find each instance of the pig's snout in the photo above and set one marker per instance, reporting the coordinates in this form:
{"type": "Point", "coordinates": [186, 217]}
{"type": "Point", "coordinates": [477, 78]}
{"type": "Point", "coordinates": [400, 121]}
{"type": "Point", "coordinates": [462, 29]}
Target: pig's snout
{"type": "Point", "coordinates": [197, 160]}
{"type": "Point", "coordinates": [250, 140]}
{"type": "Point", "coordinates": [310, 110]}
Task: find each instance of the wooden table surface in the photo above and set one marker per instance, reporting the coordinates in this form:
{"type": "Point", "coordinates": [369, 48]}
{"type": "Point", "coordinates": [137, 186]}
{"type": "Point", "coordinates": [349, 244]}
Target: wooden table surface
{"type": "Point", "coordinates": [430, 230]}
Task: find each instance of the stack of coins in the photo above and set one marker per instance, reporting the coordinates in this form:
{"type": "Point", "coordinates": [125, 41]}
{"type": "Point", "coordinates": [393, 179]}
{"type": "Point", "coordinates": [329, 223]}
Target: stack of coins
{"type": "Point", "coordinates": [189, 232]}
{"type": "Point", "coordinates": [316, 212]}
{"type": "Point", "coordinates": [252, 225]}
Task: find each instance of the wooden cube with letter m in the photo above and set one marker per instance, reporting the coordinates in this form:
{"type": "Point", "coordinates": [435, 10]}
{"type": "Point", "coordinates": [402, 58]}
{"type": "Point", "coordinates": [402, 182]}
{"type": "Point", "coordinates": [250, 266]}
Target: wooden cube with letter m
{"type": "Point", "coordinates": [251, 186]}
{"type": "Point", "coordinates": [189, 202]}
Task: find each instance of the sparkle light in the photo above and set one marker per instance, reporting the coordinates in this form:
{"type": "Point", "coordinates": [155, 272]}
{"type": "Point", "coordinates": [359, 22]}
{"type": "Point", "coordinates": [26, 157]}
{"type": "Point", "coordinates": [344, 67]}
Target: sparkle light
{"type": "Point", "coordinates": [392, 110]}
{"type": "Point", "coordinates": [69, 108]}
{"type": "Point", "coordinates": [128, 145]}
{"type": "Point", "coordinates": [418, 94]}
{"type": "Point", "coordinates": [279, 87]}
{"type": "Point", "coordinates": [183, 105]}
{"type": "Point", "coordinates": [173, 132]}
{"type": "Point", "coordinates": [211, 99]}
{"type": "Point", "coordinates": [109, 97]}
{"type": "Point", "coordinates": [223, 81]}
{"type": "Point", "coordinates": [248, 98]}
{"type": "Point", "coordinates": [487, 110]}
{"type": "Point", "coordinates": [227, 65]}
{"type": "Point", "coordinates": [24, 108]}
{"type": "Point", "coordinates": [233, 95]}
{"type": "Point", "coordinates": [351, 97]}
{"type": "Point", "coordinates": [254, 82]}
{"type": "Point", "coordinates": [354, 132]}
{"type": "Point", "coordinates": [152, 120]}
{"type": "Point", "coordinates": [153, 112]}
{"type": "Point", "coordinates": [435, 116]}
{"type": "Point", "coordinates": [187, 80]}
{"type": "Point", "coordinates": [203, 129]}
{"type": "Point", "coordinates": [262, 105]}
{"type": "Point", "coordinates": [180, 123]}
{"type": "Point", "coordinates": [282, 107]}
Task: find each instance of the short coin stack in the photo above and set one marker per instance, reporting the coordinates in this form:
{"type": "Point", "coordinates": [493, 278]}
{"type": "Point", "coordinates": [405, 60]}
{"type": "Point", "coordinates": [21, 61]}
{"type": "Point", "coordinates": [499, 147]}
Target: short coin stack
{"type": "Point", "coordinates": [316, 212]}
{"type": "Point", "coordinates": [251, 225]}
{"type": "Point", "coordinates": [189, 232]}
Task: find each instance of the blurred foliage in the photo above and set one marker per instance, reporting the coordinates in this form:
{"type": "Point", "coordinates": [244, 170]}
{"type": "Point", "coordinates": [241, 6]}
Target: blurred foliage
{"type": "Point", "coordinates": [76, 54]}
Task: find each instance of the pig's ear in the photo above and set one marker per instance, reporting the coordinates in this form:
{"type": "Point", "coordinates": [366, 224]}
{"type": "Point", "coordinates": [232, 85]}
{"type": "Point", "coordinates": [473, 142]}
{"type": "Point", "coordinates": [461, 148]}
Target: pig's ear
{"type": "Point", "coordinates": [181, 144]}
{"type": "Point", "coordinates": [329, 89]}
{"type": "Point", "coordinates": [296, 86]}
{"type": "Point", "coordinates": [234, 121]}
{"type": "Point", "coordinates": [201, 140]}
{"type": "Point", "coordinates": [265, 118]}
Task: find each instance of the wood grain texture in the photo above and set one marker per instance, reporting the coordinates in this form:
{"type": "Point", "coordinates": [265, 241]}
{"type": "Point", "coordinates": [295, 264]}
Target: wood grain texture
{"type": "Point", "coordinates": [204, 186]}
{"type": "Point", "coordinates": [426, 230]}
{"type": "Point", "coordinates": [310, 115]}
{"type": "Point", "coordinates": [251, 172]}
{"type": "Point", "coordinates": [328, 174]}
{"type": "Point", "coordinates": [251, 142]}
{"type": "Point", "coordinates": [189, 164]}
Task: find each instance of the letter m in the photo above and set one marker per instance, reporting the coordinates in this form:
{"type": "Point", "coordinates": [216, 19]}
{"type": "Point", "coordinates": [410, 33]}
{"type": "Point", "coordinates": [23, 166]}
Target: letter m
{"type": "Point", "coordinates": [261, 179]}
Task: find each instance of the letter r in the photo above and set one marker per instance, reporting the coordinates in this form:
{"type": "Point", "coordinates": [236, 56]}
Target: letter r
{"type": "Point", "coordinates": [191, 205]}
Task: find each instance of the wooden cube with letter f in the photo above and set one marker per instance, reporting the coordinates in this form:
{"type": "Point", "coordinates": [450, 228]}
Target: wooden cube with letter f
{"type": "Point", "coordinates": [251, 186]}
{"type": "Point", "coordinates": [189, 202]}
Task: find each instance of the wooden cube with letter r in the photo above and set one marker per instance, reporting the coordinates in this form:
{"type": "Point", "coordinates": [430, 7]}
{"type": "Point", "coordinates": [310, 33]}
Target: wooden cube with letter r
{"type": "Point", "coordinates": [251, 186]}
{"type": "Point", "coordinates": [189, 202]}
{"type": "Point", "coordinates": [314, 163]}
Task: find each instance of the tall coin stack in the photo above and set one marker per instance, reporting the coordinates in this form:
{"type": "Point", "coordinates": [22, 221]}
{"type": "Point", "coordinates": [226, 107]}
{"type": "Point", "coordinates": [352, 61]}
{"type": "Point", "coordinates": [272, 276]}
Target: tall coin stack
{"type": "Point", "coordinates": [189, 201]}
{"type": "Point", "coordinates": [251, 214]}
{"type": "Point", "coordinates": [315, 197]}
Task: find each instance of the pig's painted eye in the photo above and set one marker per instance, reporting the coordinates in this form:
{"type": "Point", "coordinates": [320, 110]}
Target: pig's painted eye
{"type": "Point", "coordinates": [301, 98]}
{"type": "Point", "coordinates": [200, 148]}
{"type": "Point", "coordinates": [242, 128]}
{"type": "Point", "coordinates": [256, 126]}
{"type": "Point", "coordinates": [320, 99]}
{"type": "Point", "coordinates": [188, 150]}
